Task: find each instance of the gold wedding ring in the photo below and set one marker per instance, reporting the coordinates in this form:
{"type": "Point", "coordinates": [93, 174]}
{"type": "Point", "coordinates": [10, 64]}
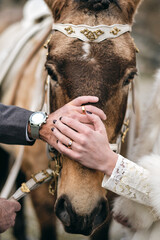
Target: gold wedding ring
{"type": "Point", "coordinates": [70, 144]}
{"type": "Point", "coordinates": [83, 110]}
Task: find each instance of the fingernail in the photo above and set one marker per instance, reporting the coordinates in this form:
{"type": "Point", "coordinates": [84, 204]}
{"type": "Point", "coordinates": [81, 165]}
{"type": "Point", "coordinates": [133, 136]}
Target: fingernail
{"type": "Point", "coordinates": [52, 129]}
{"type": "Point", "coordinates": [54, 121]}
{"type": "Point", "coordinates": [57, 141]}
{"type": "Point", "coordinates": [88, 112]}
{"type": "Point", "coordinates": [60, 118]}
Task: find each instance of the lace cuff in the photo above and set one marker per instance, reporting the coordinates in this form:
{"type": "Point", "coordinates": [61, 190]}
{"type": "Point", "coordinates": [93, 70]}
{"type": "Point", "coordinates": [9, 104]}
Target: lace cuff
{"type": "Point", "coordinates": [129, 180]}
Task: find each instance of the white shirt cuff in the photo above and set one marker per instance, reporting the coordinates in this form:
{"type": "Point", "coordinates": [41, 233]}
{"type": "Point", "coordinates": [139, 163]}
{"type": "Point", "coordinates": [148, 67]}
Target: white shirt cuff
{"type": "Point", "coordinates": [27, 137]}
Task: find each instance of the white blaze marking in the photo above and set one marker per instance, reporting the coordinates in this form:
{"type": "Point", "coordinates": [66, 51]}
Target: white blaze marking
{"type": "Point", "coordinates": [86, 48]}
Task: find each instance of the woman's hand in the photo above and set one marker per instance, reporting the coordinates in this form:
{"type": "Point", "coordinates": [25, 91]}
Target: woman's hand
{"type": "Point", "coordinates": [88, 146]}
{"type": "Point", "coordinates": [73, 110]}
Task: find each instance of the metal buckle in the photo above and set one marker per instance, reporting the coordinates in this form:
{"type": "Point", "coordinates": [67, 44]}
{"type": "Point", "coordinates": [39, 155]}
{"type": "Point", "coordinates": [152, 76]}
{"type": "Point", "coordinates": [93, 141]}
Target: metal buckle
{"type": "Point", "coordinates": [47, 42]}
{"type": "Point", "coordinates": [46, 175]}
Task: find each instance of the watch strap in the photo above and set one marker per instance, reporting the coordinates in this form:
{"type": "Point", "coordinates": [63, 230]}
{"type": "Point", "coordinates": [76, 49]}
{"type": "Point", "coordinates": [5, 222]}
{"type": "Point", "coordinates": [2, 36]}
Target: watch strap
{"type": "Point", "coordinates": [34, 131]}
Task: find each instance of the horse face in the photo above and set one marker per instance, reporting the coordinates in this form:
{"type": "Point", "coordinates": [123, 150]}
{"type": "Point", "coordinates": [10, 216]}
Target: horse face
{"type": "Point", "coordinates": [102, 69]}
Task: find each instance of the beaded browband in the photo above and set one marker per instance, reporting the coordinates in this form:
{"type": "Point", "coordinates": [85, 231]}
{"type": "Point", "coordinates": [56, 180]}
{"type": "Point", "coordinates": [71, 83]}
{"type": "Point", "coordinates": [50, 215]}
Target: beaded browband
{"type": "Point", "coordinates": [92, 33]}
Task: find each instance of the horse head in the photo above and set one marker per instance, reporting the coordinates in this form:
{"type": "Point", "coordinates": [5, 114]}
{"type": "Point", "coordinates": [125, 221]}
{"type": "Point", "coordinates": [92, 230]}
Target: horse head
{"type": "Point", "coordinates": [104, 69]}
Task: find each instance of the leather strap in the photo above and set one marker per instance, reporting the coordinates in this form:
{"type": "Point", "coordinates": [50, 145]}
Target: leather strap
{"type": "Point", "coordinates": [92, 33]}
{"type": "Point", "coordinates": [12, 174]}
{"type": "Point", "coordinates": [34, 182]}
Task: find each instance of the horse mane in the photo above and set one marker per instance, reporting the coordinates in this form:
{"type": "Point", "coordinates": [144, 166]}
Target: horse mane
{"type": "Point", "coordinates": [96, 5]}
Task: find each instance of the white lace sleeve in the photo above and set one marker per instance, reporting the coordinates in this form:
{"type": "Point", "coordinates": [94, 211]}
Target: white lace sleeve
{"type": "Point", "coordinates": [130, 180]}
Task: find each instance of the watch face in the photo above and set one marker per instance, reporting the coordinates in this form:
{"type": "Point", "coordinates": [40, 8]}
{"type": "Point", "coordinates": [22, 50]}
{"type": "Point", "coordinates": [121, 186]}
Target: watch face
{"type": "Point", "coordinates": [38, 118]}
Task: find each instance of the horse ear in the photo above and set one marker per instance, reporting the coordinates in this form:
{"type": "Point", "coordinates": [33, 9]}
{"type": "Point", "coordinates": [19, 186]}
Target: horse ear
{"type": "Point", "coordinates": [56, 7]}
{"type": "Point", "coordinates": [129, 8]}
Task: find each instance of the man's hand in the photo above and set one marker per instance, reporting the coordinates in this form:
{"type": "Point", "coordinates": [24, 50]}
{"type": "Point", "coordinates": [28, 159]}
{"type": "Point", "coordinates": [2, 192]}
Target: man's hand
{"type": "Point", "coordinates": [73, 110]}
{"type": "Point", "coordinates": [8, 209]}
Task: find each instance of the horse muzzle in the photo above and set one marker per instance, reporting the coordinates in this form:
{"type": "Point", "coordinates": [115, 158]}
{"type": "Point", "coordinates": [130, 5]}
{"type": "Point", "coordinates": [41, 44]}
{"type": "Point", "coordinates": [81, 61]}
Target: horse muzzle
{"type": "Point", "coordinates": [78, 224]}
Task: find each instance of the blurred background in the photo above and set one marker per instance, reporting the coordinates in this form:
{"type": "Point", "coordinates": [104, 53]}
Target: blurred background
{"type": "Point", "coordinates": [146, 33]}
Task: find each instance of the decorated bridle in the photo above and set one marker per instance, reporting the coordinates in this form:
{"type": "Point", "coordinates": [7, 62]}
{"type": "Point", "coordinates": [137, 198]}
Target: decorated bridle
{"type": "Point", "coordinates": [98, 34]}
{"type": "Point", "coordinates": [87, 34]}
{"type": "Point", "coordinates": [90, 34]}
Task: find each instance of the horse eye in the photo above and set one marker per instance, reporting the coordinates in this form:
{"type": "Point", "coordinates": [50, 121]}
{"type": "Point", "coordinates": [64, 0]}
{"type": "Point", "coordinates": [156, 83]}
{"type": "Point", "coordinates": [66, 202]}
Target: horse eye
{"type": "Point", "coordinates": [129, 78]}
{"type": "Point", "coordinates": [51, 73]}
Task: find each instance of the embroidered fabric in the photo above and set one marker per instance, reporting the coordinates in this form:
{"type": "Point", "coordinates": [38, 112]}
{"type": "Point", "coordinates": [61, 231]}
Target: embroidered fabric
{"type": "Point", "coordinates": [129, 180]}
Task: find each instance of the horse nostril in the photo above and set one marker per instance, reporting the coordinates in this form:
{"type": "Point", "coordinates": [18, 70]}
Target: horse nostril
{"type": "Point", "coordinates": [80, 224]}
{"type": "Point", "coordinates": [101, 214]}
{"type": "Point", "coordinates": [62, 212]}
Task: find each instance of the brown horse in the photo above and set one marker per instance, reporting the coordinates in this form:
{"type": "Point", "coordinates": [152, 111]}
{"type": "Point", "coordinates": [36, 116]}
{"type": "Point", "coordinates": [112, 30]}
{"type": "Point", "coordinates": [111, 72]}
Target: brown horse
{"type": "Point", "coordinates": [104, 69]}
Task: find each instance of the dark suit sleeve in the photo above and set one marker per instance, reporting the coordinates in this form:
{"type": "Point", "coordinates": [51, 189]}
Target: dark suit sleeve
{"type": "Point", "coordinates": [13, 123]}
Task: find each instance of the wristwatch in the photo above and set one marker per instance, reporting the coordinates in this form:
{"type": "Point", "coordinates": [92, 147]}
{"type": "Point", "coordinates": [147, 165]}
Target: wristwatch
{"type": "Point", "coordinates": [36, 120]}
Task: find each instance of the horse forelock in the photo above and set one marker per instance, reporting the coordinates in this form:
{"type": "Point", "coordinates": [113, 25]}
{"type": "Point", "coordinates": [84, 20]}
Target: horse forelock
{"type": "Point", "coordinates": [96, 5]}
{"type": "Point", "coordinates": [120, 9]}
